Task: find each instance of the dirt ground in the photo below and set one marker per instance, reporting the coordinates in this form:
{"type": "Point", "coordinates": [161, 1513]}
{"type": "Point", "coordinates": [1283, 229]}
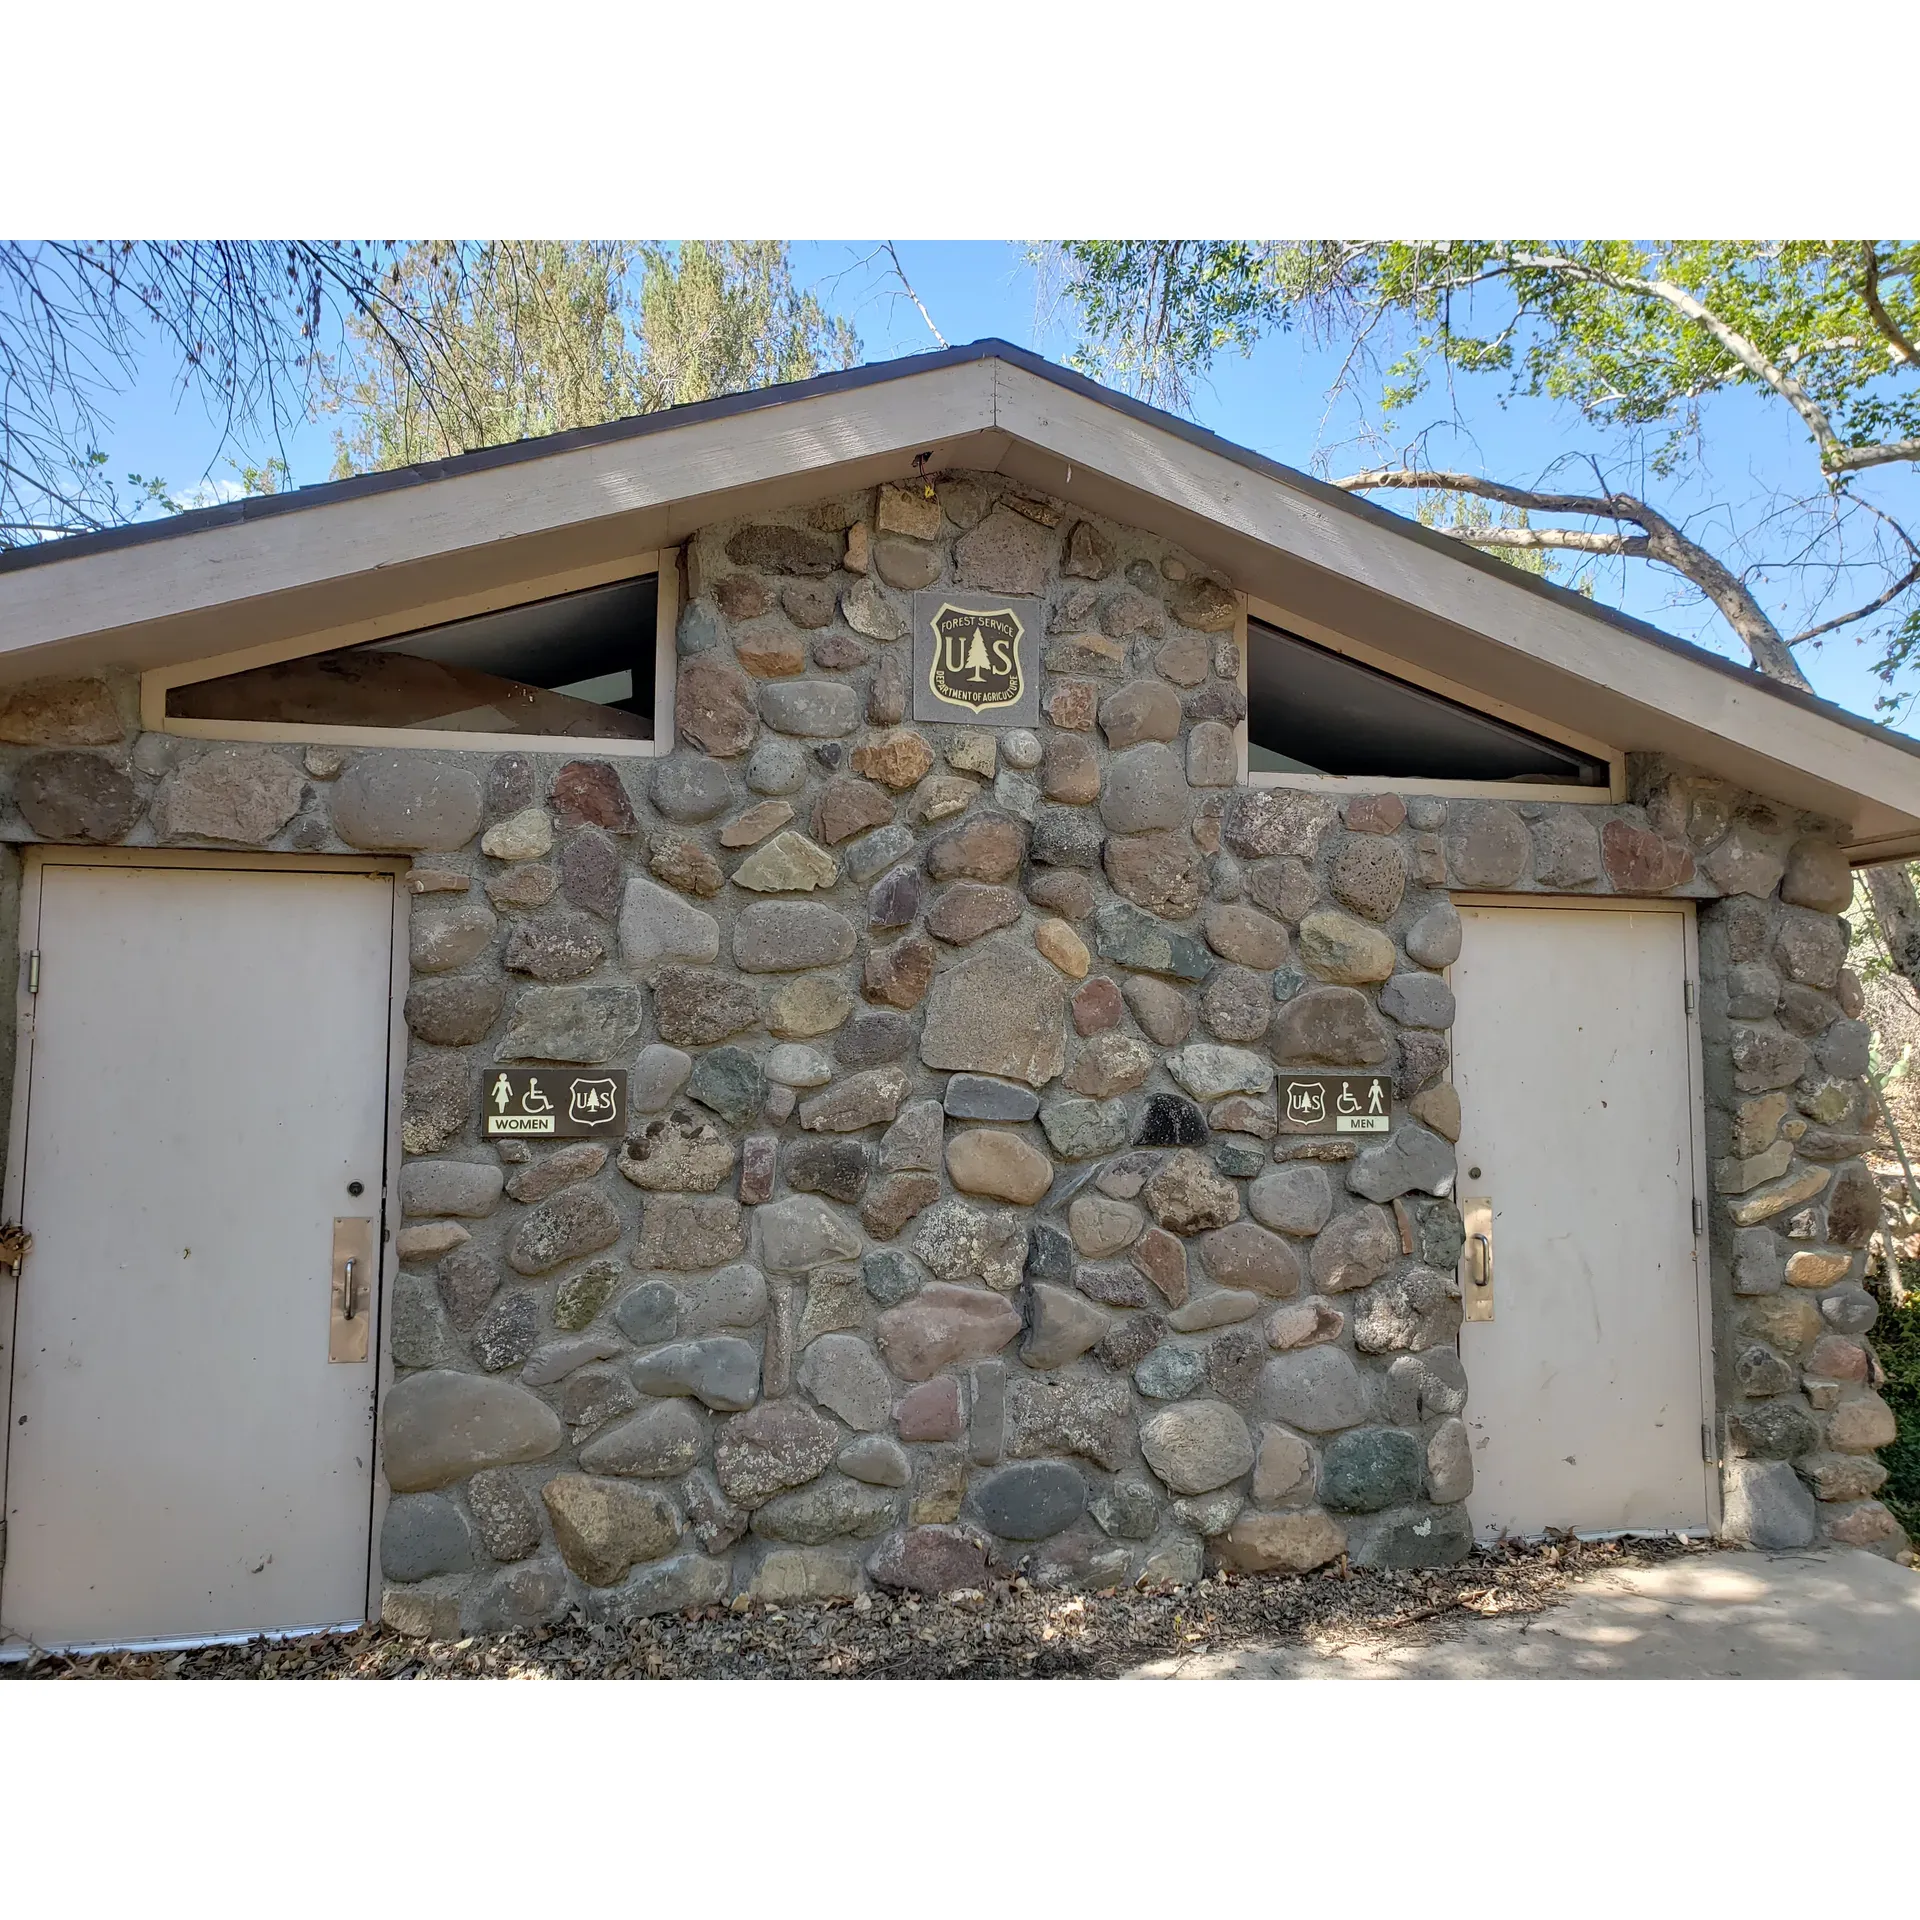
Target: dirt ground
{"type": "Point", "coordinates": [1007, 1632]}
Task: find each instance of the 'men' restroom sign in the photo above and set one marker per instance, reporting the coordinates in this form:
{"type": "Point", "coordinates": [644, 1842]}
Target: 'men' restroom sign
{"type": "Point", "coordinates": [552, 1103]}
{"type": "Point", "coordinates": [1334, 1103]}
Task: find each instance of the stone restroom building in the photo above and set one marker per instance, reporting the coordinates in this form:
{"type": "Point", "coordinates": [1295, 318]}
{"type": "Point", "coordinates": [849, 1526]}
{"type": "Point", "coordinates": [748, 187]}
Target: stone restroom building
{"type": "Point", "coordinates": [913, 975]}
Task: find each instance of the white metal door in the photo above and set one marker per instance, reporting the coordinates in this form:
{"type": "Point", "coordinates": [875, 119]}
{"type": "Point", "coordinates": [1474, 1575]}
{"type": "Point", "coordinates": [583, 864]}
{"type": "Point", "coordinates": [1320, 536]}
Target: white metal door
{"type": "Point", "coordinates": [1574, 1058]}
{"type": "Point", "coordinates": [208, 1077]}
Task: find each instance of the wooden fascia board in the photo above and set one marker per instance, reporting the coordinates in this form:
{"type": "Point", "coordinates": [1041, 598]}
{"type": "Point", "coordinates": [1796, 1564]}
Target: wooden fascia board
{"type": "Point", "coordinates": [1250, 522]}
{"type": "Point", "coordinates": [678, 476]}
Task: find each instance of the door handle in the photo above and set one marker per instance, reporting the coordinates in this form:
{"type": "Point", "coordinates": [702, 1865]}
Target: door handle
{"type": "Point", "coordinates": [1477, 1219]}
{"type": "Point", "coordinates": [347, 1322]}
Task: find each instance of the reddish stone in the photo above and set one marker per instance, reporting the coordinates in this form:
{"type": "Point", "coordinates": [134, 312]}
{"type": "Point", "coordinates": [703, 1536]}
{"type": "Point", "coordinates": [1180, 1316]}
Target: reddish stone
{"type": "Point", "coordinates": [770, 656]}
{"type": "Point", "coordinates": [932, 1560]}
{"type": "Point", "coordinates": [838, 652]}
{"type": "Point", "coordinates": [742, 597]}
{"type": "Point", "coordinates": [1833, 1358]}
{"type": "Point", "coordinates": [1865, 1524]}
{"type": "Point", "coordinates": [588, 793]}
{"type": "Point", "coordinates": [1073, 704]}
{"type": "Point", "coordinates": [1376, 813]}
{"type": "Point", "coordinates": [942, 1325]}
{"type": "Point", "coordinates": [931, 1411]}
{"type": "Point", "coordinates": [684, 865]}
{"type": "Point", "coordinates": [895, 1201]}
{"type": "Point", "coordinates": [1060, 890]}
{"type": "Point", "coordinates": [847, 807]}
{"type": "Point", "coordinates": [713, 708]}
{"type": "Point", "coordinates": [965, 912]}
{"type": "Point", "coordinates": [897, 760]}
{"type": "Point", "coordinates": [1163, 1260]}
{"type": "Point", "coordinates": [756, 1168]}
{"type": "Point", "coordinates": [1642, 861]}
{"type": "Point", "coordinates": [887, 697]}
{"type": "Point", "coordinates": [900, 975]}
{"type": "Point", "coordinates": [1096, 1007]}
{"type": "Point", "coordinates": [1070, 771]}
{"type": "Point", "coordinates": [990, 846]}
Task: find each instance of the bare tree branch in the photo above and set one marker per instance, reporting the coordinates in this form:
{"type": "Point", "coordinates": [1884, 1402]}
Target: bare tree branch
{"type": "Point", "coordinates": [900, 273]}
{"type": "Point", "coordinates": [1881, 453]}
{"type": "Point", "coordinates": [1910, 578]}
{"type": "Point", "coordinates": [1535, 538]}
{"type": "Point", "coordinates": [1903, 348]}
{"type": "Point", "coordinates": [1747, 352]}
{"type": "Point", "coordinates": [1664, 543]}
{"type": "Point", "coordinates": [1533, 499]}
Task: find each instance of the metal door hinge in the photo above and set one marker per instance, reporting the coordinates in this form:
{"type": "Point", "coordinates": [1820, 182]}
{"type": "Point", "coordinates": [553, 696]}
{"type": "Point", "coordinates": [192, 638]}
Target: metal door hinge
{"type": "Point", "coordinates": [1708, 1451]}
{"type": "Point", "coordinates": [33, 972]}
{"type": "Point", "coordinates": [1699, 1217]}
{"type": "Point", "coordinates": [1686, 996]}
{"type": "Point", "coordinates": [15, 1244]}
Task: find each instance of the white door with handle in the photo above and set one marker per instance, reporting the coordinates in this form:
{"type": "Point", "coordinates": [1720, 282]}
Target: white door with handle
{"type": "Point", "coordinates": [1576, 1065]}
{"type": "Point", "coordinates": [191, 1419]}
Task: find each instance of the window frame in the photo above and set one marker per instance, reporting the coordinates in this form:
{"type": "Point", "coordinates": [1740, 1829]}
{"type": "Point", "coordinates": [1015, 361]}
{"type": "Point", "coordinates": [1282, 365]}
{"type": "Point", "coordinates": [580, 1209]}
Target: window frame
{"type": "Point", "coordinates": [158, 682]}
{"type": "Point", "coordinates": [1270, 614]}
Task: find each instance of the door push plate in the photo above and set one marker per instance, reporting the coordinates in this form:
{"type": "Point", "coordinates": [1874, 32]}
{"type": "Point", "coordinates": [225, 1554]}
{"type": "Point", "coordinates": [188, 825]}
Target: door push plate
{"type": "Point", "coordinates": [1476, 1258]}
{"type": "Point", "coordinates": [350, 1292]}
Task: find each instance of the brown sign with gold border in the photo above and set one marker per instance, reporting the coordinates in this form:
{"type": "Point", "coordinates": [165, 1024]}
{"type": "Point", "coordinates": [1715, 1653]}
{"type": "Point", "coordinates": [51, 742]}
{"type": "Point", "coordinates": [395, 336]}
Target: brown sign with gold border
{"type": "Point", "coordinates": [976, 658]}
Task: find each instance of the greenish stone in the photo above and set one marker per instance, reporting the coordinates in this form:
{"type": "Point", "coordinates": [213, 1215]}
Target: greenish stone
{"type": "Point", "coordinates": [1135, 939]}
{"type": "Point", "coordinates": [1083, 1129]}
{"type": "Point", "coordinates": [1369, 1469]}
{"type": "Point", "coordinates": [728, 1081]}
{"type": "Point", "coordinates": [889, 1275]}
{"type": "Point", "coordinates": [1168, 1372]}
{"type": "Point", "coordinates": [1237, 1160]}
{"type": "Point", "coordinates": [580, 1296]}
{"type": "Point", "coordinates": [1442, 1235]}
{"type": "Point", "coordinates": [1413, 1537]}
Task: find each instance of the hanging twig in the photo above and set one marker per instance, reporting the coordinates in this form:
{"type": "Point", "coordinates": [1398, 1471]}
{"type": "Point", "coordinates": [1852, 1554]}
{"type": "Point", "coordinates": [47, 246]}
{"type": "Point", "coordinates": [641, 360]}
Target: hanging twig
{"type": "Point", "coordinates": [900, 273]}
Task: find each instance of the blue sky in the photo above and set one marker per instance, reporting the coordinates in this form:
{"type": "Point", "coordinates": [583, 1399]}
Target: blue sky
{"type": "Point", "coordinates": [1274, 402]}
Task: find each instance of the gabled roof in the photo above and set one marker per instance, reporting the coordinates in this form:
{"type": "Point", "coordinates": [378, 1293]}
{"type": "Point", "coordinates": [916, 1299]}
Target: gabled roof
{"type": "Point", "coordinates": [271, 568]}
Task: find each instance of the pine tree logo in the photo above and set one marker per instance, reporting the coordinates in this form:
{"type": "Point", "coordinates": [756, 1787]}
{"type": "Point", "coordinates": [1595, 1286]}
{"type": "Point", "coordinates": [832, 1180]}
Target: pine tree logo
{"type": "Point", "coordinates": [976, 657]}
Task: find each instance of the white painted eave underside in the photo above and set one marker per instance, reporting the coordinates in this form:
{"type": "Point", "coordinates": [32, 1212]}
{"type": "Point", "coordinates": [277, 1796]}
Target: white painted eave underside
{"type": "Point", "coordinates": [168, 601]}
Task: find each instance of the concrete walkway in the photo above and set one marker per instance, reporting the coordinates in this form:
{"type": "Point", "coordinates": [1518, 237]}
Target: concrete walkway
{"type": "Point", "coordinates": [1844, 1615]}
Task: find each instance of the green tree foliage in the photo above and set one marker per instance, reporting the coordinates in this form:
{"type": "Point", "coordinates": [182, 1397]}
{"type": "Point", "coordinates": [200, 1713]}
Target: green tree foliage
{"type": "Point", "coordinates": [234, 323]}
{"type": "Point", "coordinates": [725, 317]}
{"type": "Point", "coordinates": [1896, 1338]}
{"type": "Point", "coordinates": [1635, 336]}
{"type": "Point", "coordinates": [534, 337]}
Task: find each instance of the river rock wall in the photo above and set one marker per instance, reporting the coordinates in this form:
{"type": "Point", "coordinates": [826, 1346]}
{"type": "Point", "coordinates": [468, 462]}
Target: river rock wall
{"type": "Point", "coordinates": [954, 1230]}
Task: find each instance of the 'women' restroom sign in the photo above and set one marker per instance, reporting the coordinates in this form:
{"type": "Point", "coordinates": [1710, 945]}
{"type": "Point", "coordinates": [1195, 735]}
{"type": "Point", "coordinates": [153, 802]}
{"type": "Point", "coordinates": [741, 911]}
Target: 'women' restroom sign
{"type": "Point", "coordinates": [1334, 1103]}
{"type": "Point", "coordinates": [551, 1103]}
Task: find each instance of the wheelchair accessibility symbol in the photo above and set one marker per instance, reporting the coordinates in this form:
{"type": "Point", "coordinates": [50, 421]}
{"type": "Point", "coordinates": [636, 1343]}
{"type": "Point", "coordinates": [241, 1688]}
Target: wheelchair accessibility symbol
{"type": "Point", "coordinates": [544, 1103]}
{"type": "Point", "coordinates": [1336, 1103]}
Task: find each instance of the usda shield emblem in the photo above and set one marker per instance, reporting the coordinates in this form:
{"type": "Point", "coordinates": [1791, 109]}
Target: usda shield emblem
{"type": "Point", "coordinates": [976, 657]}
{"type": "Point", "coordinates": [974, 661]}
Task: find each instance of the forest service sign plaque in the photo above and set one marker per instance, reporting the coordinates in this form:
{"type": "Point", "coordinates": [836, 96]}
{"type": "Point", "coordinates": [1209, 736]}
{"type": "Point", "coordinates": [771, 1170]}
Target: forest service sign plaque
{"type": "Point", "coordinates": [974, 659]}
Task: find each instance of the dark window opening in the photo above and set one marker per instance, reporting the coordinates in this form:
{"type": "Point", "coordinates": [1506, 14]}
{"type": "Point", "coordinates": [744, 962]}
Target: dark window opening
{"type": "Point", "coordinates": [1313, 711]}
{"type": "Point", "coordinates": [578, 666]}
